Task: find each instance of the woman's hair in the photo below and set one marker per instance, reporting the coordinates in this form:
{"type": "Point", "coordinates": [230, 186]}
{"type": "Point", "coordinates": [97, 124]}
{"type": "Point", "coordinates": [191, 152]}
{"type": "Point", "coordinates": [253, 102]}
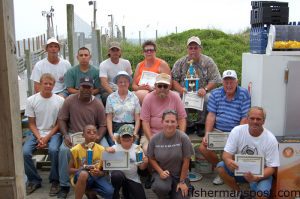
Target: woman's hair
{"type": "Point", "coordinates": [169, 112]}
{"type": "Point", "coordinates": [149, 43]}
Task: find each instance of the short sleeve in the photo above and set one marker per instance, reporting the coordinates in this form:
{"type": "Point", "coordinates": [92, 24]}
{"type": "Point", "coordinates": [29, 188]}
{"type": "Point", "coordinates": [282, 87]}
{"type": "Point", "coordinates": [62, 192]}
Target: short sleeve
{"type": "Point", "coordinates": [29, 111]}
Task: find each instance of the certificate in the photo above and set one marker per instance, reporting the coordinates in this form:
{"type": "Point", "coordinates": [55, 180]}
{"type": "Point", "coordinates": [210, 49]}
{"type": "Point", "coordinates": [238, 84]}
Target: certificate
{"type": "Point", "coordinates": [192, 100]}
{"type": "Point", "coordinates": [77, 138]}
{"type": "Point", "coordinates": [216, 141]}
{"type": "Point", "coordinates": [249, 163]}
{"type": "Point", "coordinates": [148, 78]}
{"type": "Point", "coordinates": [118, 160]}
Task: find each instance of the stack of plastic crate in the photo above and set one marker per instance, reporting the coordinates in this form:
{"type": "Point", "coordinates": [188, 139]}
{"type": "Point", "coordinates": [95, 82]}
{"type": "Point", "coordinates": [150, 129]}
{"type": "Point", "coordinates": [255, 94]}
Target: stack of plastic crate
{"type": "Point", "coordinates": [263, 14]}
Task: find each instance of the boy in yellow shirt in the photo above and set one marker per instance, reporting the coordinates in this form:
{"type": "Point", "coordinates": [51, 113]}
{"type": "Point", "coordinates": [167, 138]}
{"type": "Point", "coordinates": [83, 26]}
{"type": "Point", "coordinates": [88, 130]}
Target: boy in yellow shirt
{"type": "Point", "coordinates": [90, 176]}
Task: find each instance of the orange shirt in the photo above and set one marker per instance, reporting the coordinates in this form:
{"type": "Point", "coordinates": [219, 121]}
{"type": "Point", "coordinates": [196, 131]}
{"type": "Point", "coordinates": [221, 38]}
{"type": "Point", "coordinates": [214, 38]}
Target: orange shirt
{"type": "Point", "coordinates": [154, 68]}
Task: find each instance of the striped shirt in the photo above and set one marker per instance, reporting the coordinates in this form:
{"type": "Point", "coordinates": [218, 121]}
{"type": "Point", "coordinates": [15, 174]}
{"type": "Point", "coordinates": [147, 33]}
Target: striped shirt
{"type": "Point", "coordinates": [229, 113]}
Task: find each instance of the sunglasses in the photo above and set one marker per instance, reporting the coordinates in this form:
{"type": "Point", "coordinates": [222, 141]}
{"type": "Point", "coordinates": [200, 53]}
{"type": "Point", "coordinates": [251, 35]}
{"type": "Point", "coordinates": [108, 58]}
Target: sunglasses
{"type": "Point", "coordinates": [165, 86]}
{"type": "Point", "coordinates": [193, 47]}
{"type": "Point", "coordinates": [149, 50]}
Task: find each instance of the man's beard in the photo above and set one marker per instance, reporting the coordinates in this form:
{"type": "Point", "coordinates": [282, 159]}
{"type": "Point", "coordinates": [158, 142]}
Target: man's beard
{"type": "Point", "coordinates": [162, 95]}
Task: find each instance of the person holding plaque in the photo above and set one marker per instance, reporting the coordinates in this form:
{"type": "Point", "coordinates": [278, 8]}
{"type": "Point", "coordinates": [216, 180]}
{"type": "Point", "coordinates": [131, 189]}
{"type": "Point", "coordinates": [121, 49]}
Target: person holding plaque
{"type": "Point", "coordinates": [227, 108]}
{"type": "Point", "coordinates": [251, 139]}
{"type": "Point", "coordinates": [196, 64]}
{"type": "Point", "coordinates": [110, 67]}
{"type": "Point", "coordinates": [42, 109]}
{"type": "Point", "coordinates": [85, 168]}
{"type": "Point", "coordinates": [122, 106]}
{"type": "Point", "coordinates": [77, 111]}
{"type": "Point", "coordinates": [128, 180]}
{"type": "Point", "coordinates": [146, 71]}
{"type": "Point", "coordinates": [169, 154]}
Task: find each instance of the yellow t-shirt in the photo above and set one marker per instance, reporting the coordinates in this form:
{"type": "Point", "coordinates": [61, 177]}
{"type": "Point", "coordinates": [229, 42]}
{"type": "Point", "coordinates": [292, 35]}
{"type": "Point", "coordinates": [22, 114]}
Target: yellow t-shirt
{"type": "Point", "coordinates": [79, 154]}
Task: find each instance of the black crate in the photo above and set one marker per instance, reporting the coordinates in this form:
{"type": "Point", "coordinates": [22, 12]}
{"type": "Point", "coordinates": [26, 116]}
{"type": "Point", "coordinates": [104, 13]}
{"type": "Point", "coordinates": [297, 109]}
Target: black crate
{"type": "Point", "coordinates": [260, 4]}
{"type": "Point", "coordinates": [270, 15]}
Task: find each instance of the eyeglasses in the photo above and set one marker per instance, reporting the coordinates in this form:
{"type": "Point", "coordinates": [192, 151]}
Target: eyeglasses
{"type": "Point", "coordinates": [149, 50]}
{"type": "Point", "coordinates": [165, 86]}
{"type": "Point", "coordinates": [193, 47]}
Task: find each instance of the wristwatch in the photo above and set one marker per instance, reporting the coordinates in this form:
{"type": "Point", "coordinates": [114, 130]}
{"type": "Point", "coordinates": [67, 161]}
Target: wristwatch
{"type": "Point", "coordinates": [206, 89]}
{"type": "Point", "coordinates": [182, 181]}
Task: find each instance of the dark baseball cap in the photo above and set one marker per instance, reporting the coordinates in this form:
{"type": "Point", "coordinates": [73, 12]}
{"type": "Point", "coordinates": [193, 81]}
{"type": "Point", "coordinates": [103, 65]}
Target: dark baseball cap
{"type": "Point", "coordinates": [86, 81]}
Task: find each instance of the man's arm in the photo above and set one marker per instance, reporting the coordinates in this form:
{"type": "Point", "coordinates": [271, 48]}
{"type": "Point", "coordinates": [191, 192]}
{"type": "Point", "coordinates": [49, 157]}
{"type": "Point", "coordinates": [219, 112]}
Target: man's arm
{"type": "Point", "coordinates": [72, 90]}
{"type": "Point", "coordinates": [268, 171]}
{"type": "Point", "coordinates": [105, 84]}
{"type": "Point", "coordinates": [229, 161]}
{"type": "Point", "coordinates": [101, 132]}
{"type": "Point", "coordinates": [109, 124]}
{"type": "Point", "coordinates": [177, 87]}
{"type": "Point", "coordinates": [147, 129]}
{"type": "Point", "coordinates": [33, 128]}
{"type": "Point", "coordinates": [182, 124]}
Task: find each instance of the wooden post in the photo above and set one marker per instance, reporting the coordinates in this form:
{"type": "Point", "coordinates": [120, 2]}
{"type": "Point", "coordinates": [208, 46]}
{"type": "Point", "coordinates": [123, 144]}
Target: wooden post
{"type": "Point", "coordinates": [11, 158]}
{"type": "Point", "coordinates": [140, 39]}
{"type": "Point", "coordinates": [28, 65]}
{"type": "Point", "coordinates": [24, 45]}
{"type": "Point", "coordinates": [156, 34]}
{"type": "Point", "coordinates": [19, 51]}
{"type": "Point", "coordinates": [70, 30]}
{"type": "Point", "coordinates": [28, 41]}
{"type": "Point", "coordinates": [99, 46]}
{"type": "Point", "coordinates": [33, 44]}
{"type": "Point", "coordinates": [123, 33]}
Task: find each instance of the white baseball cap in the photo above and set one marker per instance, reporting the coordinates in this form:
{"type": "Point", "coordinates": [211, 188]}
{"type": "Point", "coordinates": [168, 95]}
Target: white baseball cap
{"type": "Point", "coordinates": [194, 39]}
{"type": "Point", "coordinates": [229, 73]}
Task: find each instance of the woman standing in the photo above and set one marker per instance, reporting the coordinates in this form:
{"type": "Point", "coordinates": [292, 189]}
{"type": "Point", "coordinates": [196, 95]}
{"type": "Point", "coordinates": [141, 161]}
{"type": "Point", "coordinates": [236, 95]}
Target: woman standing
{"type": "Point", "coordinates": [122, 106]}
{"type": "Point", "coordinates": [151, 64]}
{"type": "Point", "coordinates": [169, 153]}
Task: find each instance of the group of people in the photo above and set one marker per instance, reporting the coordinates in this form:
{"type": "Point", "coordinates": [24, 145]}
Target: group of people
{"type": "Point", "coordinates": [99, 103]}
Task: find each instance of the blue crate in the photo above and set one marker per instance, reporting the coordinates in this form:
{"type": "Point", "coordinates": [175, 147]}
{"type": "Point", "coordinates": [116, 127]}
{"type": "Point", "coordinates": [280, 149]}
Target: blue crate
{"type": "Point", "coordinates": [259, 39]}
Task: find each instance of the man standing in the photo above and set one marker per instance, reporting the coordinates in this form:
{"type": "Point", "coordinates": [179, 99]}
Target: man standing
{"type": "Point", "coordinates": [205, 69]}
{"type": "Point", "coordinates": [227, 107]}
{"type": "Point", "coordinates": [155, 103]}
{"type": "Point", "coordinates": [42, 109]}
{"type": "Point", "coordinates": [110, 67]}
{"type": "Point", "coordinates": [251, 139]}
{"type": "Point", "coordinates": [84, 69]}
{"type": "Point", "coordinates": [78, 111]}
{"type": "Point", "coordinates": [52, 64]}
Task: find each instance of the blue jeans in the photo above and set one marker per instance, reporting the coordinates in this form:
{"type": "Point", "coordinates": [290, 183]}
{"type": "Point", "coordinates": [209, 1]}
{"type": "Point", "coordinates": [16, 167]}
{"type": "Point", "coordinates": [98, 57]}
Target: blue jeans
{"type": "Point", "coordinates": [63, 162]}
{"type": "Point", "coordinates": [100, 184]}
{"type": "Point", "coordinates": [263, 186]}
{"type": "Point", "coordinates": [30, 146]}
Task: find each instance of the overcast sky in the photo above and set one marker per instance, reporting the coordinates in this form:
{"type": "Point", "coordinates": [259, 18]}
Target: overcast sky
{"type": "Point", "coordinates": [231, 16]}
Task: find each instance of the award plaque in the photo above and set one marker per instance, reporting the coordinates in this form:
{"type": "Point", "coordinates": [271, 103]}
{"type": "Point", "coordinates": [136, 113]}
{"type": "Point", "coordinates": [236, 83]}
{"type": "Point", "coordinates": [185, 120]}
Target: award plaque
{"type": "Point", "coordinates": [76, 138]}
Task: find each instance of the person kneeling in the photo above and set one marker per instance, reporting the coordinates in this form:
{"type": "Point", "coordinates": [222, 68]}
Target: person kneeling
{"type": "Point", "coordinates": [128, 179]}
{"type": "Point", "coordinates": [85, 175]}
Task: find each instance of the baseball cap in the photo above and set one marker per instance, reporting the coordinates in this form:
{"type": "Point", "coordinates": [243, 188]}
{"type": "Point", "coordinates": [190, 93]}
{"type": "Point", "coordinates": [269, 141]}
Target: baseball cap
{"type": "Point", "coordinates": [114, 44]}
{"type": "Point", "coordinates": [124, 74]}
{"type": "Point", "coordinates": [126, 129]}
{"type": "Point", "coordinates": [52, 40]}
{"type": "Point", "coordinates": [229, 73]}
{"type": "Point", "coordinates": [86, 81]}
{"type": "Point", "coordinates": [163, 78]}
{"type": "Point", "coordinates": [194, 39]}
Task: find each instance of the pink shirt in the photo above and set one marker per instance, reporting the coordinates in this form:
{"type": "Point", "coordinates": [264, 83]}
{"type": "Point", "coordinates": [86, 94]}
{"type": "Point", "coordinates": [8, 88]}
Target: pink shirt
{"type": "Point", "coordinates": [153, 108]}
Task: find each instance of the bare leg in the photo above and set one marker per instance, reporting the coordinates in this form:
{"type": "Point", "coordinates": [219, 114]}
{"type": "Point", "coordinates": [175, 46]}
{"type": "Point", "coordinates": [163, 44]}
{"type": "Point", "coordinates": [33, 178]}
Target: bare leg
{"type": "Point", "coordinates": [81, 184]}
{"type": "Point", "coordinates": [209, 155]}
{"type": "Point", "coordinates": [230, 181]}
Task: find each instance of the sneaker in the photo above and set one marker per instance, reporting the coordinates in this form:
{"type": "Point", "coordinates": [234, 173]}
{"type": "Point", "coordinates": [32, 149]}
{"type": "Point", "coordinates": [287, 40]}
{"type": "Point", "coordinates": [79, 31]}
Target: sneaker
{"type": "Point", "coordinates": [148, 182]}
{"type": "Point", "coordinates": [31, 187]}
{"type": "Point", "coordinates": [63, 192]}
{"type": "Point", "coordinates": [218, 180]}
{"type": "Point", "coordinates": [54, 188]}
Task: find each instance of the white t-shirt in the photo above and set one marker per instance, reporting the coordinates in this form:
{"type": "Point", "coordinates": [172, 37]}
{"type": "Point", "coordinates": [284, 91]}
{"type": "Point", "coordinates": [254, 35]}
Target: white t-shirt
{"type": "Point", "coordinates": [57, 70]}
{"type": "Point", "coordinates": [45, 111]}
{"type": "Point", "coordinates": [132, 172]}
{"type": "Point", "coordinates": [241, 142]}
{"type": "Point", "coordinates": [110, 70]}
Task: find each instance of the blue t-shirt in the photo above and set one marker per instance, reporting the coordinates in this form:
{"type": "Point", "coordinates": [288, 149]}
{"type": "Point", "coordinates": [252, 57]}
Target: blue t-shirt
{"type": "Point", "coordinates": [229, 113]}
